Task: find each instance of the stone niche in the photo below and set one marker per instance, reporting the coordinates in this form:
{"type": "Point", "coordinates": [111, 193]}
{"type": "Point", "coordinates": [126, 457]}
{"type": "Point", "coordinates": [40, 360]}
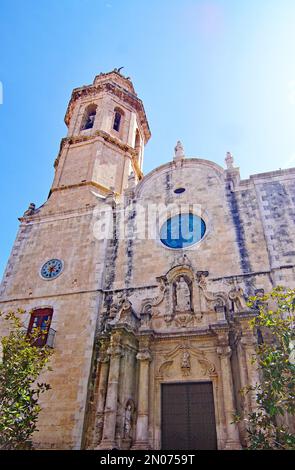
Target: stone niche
{"type": "Point", "coordinates": [184, 301]}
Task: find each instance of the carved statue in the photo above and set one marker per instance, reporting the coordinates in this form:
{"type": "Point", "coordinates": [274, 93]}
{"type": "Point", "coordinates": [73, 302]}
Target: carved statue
{"type": "Point", "coordinates": [145, 317]}
{"type": "Point", "coordinates": [183, 296]}
{"type": "Point", "coordinates": [229, 160]}
{"type": "Point", "coordinates": [236, 295]}
{"type": "Point", "coordinates": [31, 209]}
{"type": "Point", "coordinates": [127, 316]}
{"type": "Point", "coordinates": [113, 311]}
{"type": "Point", "coordinates": [128, 420]}
{"type": "Point", "coordinates": [186, 362]}
{"type": "Point", "coordinates": [201, 277]}
{"type": "Point", "coordinates": [127, 426]}
{"type": "Point", "coordinates": [179, 152]}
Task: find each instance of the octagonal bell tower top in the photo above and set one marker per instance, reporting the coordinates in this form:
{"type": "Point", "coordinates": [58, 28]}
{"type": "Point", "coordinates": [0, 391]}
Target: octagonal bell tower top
{"type": "Point", "coordinates": [110, 93]}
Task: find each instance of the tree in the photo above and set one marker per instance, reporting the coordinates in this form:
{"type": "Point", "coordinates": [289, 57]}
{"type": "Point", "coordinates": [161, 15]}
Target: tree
{"type": "Point", "coordinates": [21, 364]}
{"type": "Point", "coordinates": [274, 357]}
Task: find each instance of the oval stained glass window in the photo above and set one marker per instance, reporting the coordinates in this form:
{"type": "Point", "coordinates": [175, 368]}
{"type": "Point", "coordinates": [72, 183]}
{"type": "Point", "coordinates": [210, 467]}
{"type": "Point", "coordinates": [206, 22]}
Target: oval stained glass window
{"type": "Point", "coordinates": [182, 231]}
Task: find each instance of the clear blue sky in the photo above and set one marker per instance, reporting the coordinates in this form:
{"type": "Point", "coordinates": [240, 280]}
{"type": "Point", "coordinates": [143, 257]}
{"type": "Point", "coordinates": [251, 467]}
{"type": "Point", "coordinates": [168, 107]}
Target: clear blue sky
{"type": "Point", "coordinates": [219, 75]}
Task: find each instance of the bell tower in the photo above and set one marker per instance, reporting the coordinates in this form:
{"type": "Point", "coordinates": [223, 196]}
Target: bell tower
{"type": "Point", "coordinates": [107, 132]}
{"type": "Point", "coordinates": [56, 244]}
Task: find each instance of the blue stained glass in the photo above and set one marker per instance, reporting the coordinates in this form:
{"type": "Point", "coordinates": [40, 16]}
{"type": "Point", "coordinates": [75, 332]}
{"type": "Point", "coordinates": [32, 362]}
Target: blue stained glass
{"type": "Point", "coordinates": [182, 230]}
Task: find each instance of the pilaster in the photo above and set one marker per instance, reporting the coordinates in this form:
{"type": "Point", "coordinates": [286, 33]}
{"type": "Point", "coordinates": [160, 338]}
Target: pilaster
{"type": "Point", "coordinates": [110, 410]}
{"type": "Point", "coordinates": [233, 440]}
{"type": "Point", "coordinates": [144, 357]}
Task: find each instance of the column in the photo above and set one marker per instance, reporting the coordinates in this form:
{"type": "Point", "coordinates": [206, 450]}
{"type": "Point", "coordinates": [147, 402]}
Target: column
{"type": "Point", "coordinates": [249, 344]}
{"type": "Point", "coordinates": [144, 358]}
{"type": "Point", "coordinates": [110, 410]}
{"type": "Point", "coordinates": [103, 359]}
{"type": "Point", "coordinates": [233, 439]}
{"type": "Point", "coordinates": [244, 399]}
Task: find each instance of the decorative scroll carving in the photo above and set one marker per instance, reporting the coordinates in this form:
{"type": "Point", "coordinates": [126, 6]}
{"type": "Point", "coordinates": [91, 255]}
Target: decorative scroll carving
{"type": "Point", "coordinates": [121, 313]}
{"type": "Point", "coordinates": [201, 278]}
{"type": "Point", "coordinates": [184, 299]}
{"type": "Point", "coordinates": [186, 352]}
{"type": "Point", "coordinates": [164, 368]}
{"type": "Point", "coordinates": [186, 320]}
{"type": "Point", "coordinates": [183, 260]}
{"type": "Point", "coordinates": [215, 300]}
{"type": "Point", "coordinates": [163, 288]}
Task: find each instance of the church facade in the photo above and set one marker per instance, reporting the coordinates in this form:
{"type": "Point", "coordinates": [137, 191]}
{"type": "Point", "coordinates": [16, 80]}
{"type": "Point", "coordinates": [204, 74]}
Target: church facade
{"type": "Point", "coordinates": [144, 281]}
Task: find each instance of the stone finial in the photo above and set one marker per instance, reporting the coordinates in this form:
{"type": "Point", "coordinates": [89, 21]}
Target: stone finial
{"type": "Point", "coordinates": [229, 160]}
{"type": "Point", "coordinates": [179, 152]}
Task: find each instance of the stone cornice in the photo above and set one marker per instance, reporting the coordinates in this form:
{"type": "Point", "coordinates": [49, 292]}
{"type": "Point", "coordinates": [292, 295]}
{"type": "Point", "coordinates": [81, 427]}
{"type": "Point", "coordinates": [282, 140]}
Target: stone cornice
{"type": "Point", "coordinates": [37, 217]}
{"type": "Point", "coordinates": [114, 89]}
{"type": "Point", "coordinates": [107, 138]}
{"type": "Point", "coordinates": [105, 189]}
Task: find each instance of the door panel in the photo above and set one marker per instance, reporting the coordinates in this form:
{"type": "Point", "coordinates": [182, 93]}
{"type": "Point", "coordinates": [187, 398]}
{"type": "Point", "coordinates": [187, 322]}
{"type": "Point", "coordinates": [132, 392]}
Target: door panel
{"type": "Point", "coordinates": [188, 417]}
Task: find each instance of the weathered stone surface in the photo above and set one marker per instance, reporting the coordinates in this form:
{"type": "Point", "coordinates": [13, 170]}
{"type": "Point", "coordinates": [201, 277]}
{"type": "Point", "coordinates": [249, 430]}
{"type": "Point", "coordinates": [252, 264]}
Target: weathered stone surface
{"type": "Point", "coordinates": [122, 327]}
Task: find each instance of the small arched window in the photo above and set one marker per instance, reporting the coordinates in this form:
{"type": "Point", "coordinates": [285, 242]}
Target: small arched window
{"type": "Point", "coordinates": [117, 119]}
{"type": "Point", "coordinates": [89, 117]}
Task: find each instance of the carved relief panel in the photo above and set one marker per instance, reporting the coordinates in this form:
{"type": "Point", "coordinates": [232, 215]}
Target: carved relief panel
{"type": "Point", "coordinates": [183, 301]}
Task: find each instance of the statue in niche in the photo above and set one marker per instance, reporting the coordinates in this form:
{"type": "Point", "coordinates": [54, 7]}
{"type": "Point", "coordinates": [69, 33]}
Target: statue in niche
{"type": "Point", "coordinates": [183, 296]}
{"type": "Point", "coordinates": [145, 317]}
{"type": "Point", "coordinates": [186, 362]}
{"type": "Point", "coordinates": [128, 420]}
{"type": "Point", "coordinates": [236, 295]}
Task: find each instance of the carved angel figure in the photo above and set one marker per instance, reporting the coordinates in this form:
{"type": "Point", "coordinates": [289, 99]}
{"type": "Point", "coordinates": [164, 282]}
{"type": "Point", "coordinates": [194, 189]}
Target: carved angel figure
{"type": "Point", "coordinates": [236, 295]}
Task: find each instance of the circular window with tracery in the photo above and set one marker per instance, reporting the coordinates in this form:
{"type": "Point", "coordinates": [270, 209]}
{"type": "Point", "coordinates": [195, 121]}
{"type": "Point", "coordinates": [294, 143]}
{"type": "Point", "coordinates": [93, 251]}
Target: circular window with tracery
{"type": "Point", "coordinates": [182, 231]}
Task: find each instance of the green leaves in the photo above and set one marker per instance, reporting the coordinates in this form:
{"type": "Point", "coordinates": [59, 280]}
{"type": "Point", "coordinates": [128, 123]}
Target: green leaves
{"type": "Point", "coordinates": [276, 392]}
{"type": "Point", "coordinates": [21, 365]}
